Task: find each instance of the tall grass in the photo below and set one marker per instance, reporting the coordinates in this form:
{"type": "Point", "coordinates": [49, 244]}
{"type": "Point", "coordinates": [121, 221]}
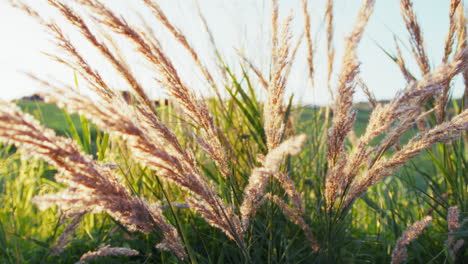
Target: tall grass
{"type": "Point", "coordinates": [236, 179]}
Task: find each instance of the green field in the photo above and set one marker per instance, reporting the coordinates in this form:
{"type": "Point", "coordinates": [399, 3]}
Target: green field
{"type": "Point", "coordinates": [53, 117]}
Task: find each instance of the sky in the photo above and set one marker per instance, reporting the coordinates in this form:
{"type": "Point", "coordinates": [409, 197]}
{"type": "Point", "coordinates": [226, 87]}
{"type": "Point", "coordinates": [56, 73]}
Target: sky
{"type": "Point", "coordinates": [237, 25]}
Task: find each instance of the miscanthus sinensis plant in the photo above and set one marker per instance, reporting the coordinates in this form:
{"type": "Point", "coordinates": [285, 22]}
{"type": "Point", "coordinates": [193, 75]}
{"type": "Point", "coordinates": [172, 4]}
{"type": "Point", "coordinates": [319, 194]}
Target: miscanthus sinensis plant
{"type": "Point", "coordinates": [237, 185]}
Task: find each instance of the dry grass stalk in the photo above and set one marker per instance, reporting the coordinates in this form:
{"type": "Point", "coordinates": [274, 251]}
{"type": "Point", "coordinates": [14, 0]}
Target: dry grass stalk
{"type": "Point", "coordinates": [416, 38]}
{"type": "Point", "coordinates": [146, 47]}
{"type": "Point", "coordinates": [120, 66]}
{"type": "Point", "coordinates": [447, 71]}
{"type": "Point", "coordinates": [343, 116]}
{"type": "Point", "coordinates": [290, 189]}
{"type": "Point", "coordinates": [402, 65]}
{"type": "Point", "coordinates": [310, 45]}
{"type": "Point", "coordinates": [462, 44]}
{"type": "Point", "coordinates": [273, 108]}
{"type": "Point", "coordinates": [296, 216]}
{"type": "Point", "coordinates": [370, 96]}
{"type": "Point", "coordinates": [449, 40]}
{"type": "Point", "coordinates": [330, 64]}
{"type": "Point", "coordinates": [65, 238]}
{"type": "Point", "coordinates": [400, 252]}
{"type": "Point", "coordinates": [182, 39]}
{"type": "Point", "coordinates": [254, 192]}
{"type": "Point", "coordinates": [274, 31]}
{"type": "Point", "coordinates": [255, 69]}
{"type": "Point", "coordinates": [155, 146]}
{"type": "Point", "coordinates": [453, 225]}
{"type": "Point", "coordinates": [442, 98]}
{"type": "Point", "coordinates": [195, 108]}
{"type": "Point", "coordinates": [456, 31]}
{"type": "Point", "coordinates": [461, 27]}
{"type": "Point", "coordinates": [105, 251]}
{"type": "Point", "coordinates": [330, 49]}
{"type": "Point", "coordinates": [28, 10]}
{"type": "Point", "coordinates": [452, 218]}
{"type": "Point", "coordinates": [444, 132]}
{"type": "Point", "coordinates": [407, 108]}
{"type": "Point", "coordinates": [258, 180]}
{"type": "Point", "coordinates": [91, 186]}
{"type": "Point", "coordinates": [394, 134]}
{"type": "Point", "coordinates": [358, 169]}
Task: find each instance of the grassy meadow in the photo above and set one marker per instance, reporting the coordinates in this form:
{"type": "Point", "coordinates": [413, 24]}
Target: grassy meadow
{"type": "Point", "coordinates": [236, 179]}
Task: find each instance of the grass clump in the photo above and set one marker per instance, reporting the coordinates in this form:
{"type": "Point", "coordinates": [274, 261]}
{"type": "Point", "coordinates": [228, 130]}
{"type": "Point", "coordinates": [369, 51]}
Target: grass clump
{"type": "Point", "coordinates": [236, 179]}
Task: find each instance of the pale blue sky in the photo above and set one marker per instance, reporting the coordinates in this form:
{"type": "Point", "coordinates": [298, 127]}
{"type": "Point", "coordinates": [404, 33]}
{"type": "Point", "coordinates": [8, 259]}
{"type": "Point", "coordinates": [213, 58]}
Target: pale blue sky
{"type": "Point", "coordinates": [236, 24]}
